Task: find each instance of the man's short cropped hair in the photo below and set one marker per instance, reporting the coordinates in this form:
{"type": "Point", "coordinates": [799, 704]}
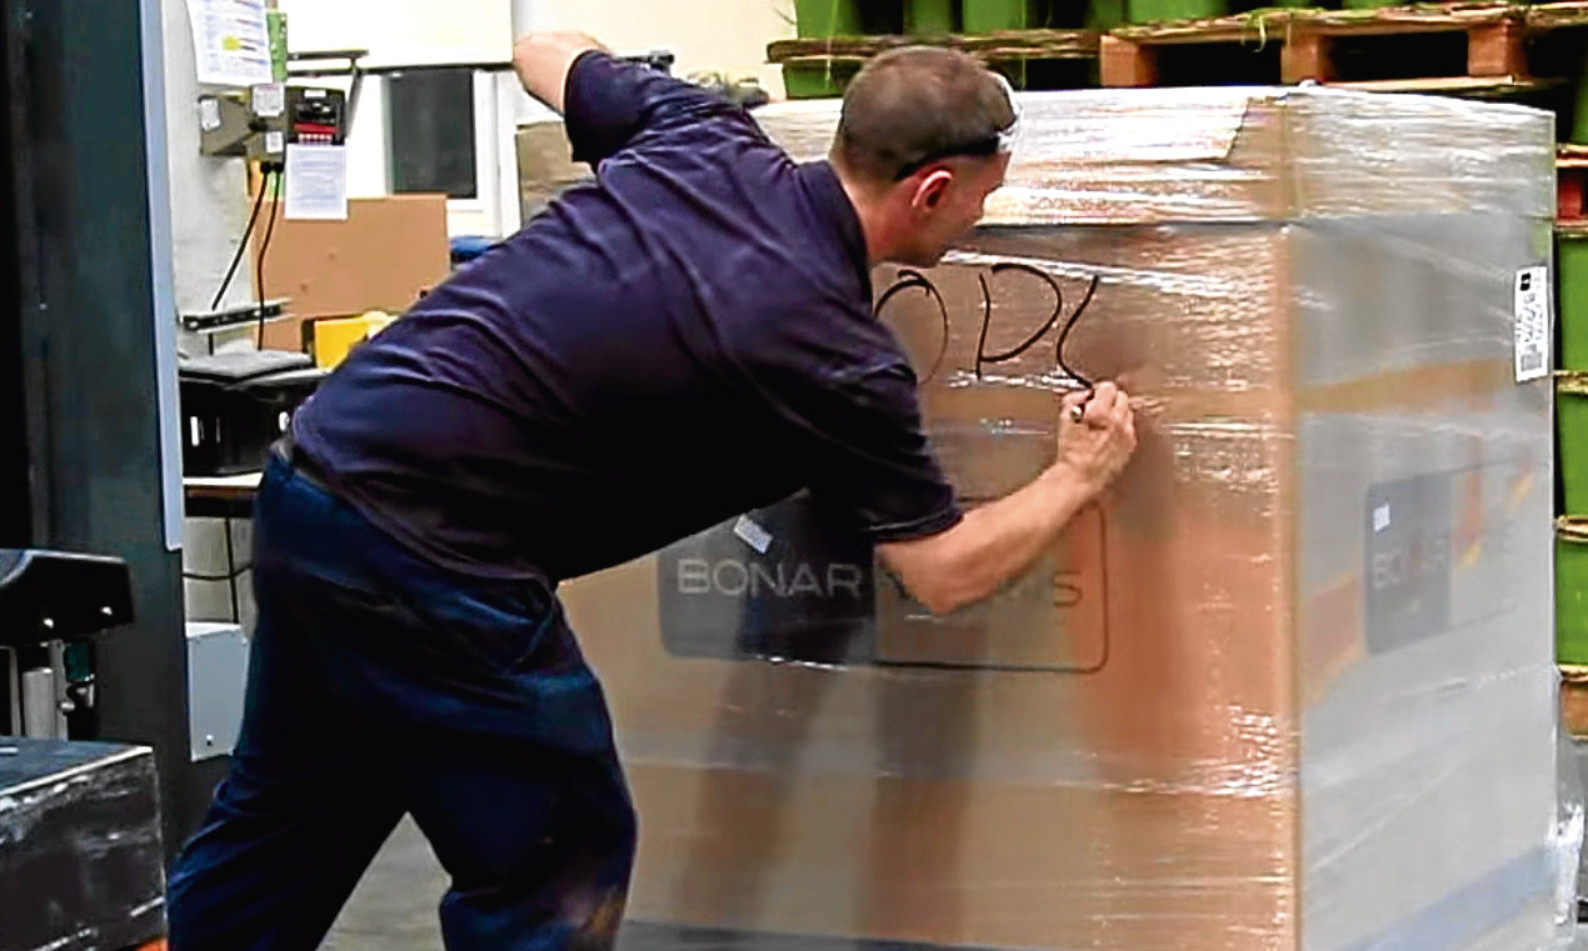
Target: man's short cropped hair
{"type": "Point", "coordinates": [917, 105]}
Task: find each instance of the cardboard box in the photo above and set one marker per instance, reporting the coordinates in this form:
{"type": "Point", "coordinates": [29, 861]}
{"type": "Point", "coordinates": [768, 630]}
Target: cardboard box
{"type": "Point", "coordinates": [545, 165]}
{"type": "Point", "coordinates": [1290, 687]}
{"type": "Point", "coordinates": [386, 254]}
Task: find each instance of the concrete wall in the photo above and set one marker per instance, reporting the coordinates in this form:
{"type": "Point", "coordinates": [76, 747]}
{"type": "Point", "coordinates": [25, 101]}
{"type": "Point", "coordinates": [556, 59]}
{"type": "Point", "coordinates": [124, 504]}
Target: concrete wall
{"type": "Point", "coordinates": [728, 35]}
{"type": "Point", "coordinates": [209, 210]}
{"type": "Point", "coordinates": [405, 32]}
{"type": "Point", "coordinates": [209, 207]}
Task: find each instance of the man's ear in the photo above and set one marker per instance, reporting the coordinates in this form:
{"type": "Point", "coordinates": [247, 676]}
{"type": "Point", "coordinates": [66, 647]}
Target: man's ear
{"type": "Point", "coordinates": [929, 193]}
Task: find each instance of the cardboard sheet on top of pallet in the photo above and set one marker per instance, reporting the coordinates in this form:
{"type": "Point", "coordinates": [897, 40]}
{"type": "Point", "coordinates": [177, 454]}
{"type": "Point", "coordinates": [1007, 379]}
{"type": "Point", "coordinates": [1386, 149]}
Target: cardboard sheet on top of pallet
{"type": "Point", "coordinates": [545, 164]}
{"type": "Point", "coordinates": [382, 257]}
{"type": "Point", "coordinates": [1291, 687]}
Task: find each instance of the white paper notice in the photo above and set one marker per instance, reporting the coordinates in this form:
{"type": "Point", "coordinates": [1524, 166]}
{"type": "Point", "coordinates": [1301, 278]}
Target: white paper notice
{"type": "Point", "coordinates": [1532, 324]}
{"type": "Point", "coordinates": [230, 41]}
{"type": "Point", "coordinates": [317, 182]}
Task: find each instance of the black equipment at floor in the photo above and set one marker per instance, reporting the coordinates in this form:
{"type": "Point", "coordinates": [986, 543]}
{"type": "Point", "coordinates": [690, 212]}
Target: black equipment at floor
{"type": "Point", "coordinates": [80, 847]}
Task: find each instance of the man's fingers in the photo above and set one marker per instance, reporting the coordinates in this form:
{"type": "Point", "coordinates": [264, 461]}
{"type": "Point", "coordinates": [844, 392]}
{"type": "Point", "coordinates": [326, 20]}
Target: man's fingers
{"type": "Point", "coordinates": [1106, 406]}
{"type": "Point", "coordinates": [1102, 407]}
{"type": "Point", "coordinates": [1074, 406]}
{"type": "Point", "coordinates": [1123, 412]}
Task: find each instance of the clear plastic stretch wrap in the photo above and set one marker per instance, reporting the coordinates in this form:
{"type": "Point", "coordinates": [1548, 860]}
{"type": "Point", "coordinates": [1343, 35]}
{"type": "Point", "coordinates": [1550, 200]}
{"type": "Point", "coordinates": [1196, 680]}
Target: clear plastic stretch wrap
{"type": "Point", "coordinates": [1291, 687]}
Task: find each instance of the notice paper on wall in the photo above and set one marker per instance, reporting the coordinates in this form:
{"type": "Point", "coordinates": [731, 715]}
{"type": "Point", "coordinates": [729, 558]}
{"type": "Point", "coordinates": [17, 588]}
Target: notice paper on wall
{"type": "Point", "coordinates": [230, 42]}
{"type": "Point", "coordinates": [317, 182]}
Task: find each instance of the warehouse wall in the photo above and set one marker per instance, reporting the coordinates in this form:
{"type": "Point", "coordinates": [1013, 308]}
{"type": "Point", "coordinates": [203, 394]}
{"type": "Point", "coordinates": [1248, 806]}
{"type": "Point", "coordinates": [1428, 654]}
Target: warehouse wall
{"type": "Point", "coordinates": [208, 213]}
{"type": "Point", "coordinates": [208, 208]}
{"type": "Point", "coordinates": [717, 35]}
{"type": "Point", "coordinates": [728, 36]}
{"type": "Point", "coordinates": [207, 204]}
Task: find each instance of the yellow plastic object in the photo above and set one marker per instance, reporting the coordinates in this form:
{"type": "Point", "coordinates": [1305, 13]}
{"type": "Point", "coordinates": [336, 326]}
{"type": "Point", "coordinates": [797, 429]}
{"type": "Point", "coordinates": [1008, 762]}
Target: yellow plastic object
{"type": "Point", "coordinates": [335, 338]}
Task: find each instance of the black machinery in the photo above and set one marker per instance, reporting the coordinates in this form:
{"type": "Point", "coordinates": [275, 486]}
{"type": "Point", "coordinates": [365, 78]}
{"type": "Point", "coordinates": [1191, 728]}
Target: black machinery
{"type": "Point", "coordinates": [51, 606]}
{"type": "Point", "coordinates": [80, 846]}
{"type": "Point", "coordinates": [91, 432]}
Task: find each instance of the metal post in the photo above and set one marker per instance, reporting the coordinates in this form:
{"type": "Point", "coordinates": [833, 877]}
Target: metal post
{"type": "Point", "coordinates": [88, 327]}
{"type": "Point", "coordinates": [13, 684]}
{"type": "Point", "coordinates": [39, 709]}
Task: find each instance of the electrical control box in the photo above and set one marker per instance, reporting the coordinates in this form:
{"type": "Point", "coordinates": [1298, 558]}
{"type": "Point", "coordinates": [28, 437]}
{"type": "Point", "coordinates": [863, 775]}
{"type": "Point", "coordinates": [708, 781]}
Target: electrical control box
{"type": "Point", "coordinates": [259, 123]}
{"type": "Point", "coordinates": [316, 115]}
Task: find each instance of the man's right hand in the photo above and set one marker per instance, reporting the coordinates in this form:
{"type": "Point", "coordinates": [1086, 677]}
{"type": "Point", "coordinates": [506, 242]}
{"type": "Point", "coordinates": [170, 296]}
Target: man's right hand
{"type": "Point", "coordinates": [1094, 449]}
{"type": "Point", "coordinates": [998, 541]}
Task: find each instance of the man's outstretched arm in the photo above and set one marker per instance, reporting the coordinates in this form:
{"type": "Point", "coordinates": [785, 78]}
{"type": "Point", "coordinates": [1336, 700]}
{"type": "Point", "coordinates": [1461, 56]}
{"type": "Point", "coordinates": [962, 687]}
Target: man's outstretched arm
{"type": "Point", "coordinates": [542, 61]}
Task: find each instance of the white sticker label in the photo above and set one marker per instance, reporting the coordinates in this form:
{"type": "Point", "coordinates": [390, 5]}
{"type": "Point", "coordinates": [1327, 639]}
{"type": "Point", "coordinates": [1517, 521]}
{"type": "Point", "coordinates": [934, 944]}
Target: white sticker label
{"type": "Point", "coordinates": [275, 142]}
{"type": "Point", "coordinates": [752, 534]}
{"type": "Point", "coordinates": [1532, 324]}
{"type": "Point", "coordinates": [209, 114]}
{"type": "Point", "coordinates": [270, 100]}
{"type": "Point", "coordinates": [1381, 518]}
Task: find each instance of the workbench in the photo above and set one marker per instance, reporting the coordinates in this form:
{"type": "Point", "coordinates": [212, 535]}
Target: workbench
{"type": "Point", "coordinates": [225, 497]}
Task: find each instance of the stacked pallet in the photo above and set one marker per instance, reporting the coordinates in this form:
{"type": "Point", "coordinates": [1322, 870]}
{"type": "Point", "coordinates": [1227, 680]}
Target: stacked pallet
{"type": "Point", "coordinates": [1484, 48]}
{"type": "Point", "coordinates": [837, 36]}
{"type": "Point", "coordinates": [1571, 413]}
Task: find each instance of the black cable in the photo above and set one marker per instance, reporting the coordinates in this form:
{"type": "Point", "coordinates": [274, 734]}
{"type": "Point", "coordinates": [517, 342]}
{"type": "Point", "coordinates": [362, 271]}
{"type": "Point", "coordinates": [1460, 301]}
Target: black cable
{"type": "Point", "coordinates": [264, 247]}
{"type": "Point", "coordinates": [242, 247]}
{"type": "Point", "coordinates": [231, 565]}
{"type": "Point", "coordinates": [217, 579]}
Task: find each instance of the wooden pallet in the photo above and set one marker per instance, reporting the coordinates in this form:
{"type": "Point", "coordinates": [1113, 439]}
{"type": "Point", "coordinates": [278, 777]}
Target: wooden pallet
{"type": "Point", "coordinates": [1574, 700]}
{"type": "Point", "coordinates": [1307, 39]}
{"type": "Point", "coordinates": [1571, 180]}
{"type": "Point", "coordinates": [1556, 15]}
{"type": "Point", "coordinates": [1001, 47]}
{"type": "Point", "coordinates": [1300, 45]}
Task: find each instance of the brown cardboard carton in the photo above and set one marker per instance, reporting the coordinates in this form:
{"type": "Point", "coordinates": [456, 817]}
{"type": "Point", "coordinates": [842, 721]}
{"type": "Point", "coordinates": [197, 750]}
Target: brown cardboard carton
{"type": "Point", "coordinates": [1289, 686]}
{"type": "Point", "coordinates": [386, 254]}
{"type": "Point", "coordinates": [545, 165]}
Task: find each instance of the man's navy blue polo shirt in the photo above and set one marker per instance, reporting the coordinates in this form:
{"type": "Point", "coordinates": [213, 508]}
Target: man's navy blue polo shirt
{"type": "Point", "coordinates": [686, 338]}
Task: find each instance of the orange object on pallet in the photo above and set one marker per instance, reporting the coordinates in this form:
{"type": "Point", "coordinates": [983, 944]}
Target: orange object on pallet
{"type": "Point", "coordinates": [1574, 700]}
{"type": "Point", "coordinates": [1131, 56]}
{"type": "Point", "coordinates": [1571, 171]}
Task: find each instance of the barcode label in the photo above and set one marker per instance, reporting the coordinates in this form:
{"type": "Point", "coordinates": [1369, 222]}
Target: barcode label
{"type": "Point", "coordinates": [1532, 324]}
